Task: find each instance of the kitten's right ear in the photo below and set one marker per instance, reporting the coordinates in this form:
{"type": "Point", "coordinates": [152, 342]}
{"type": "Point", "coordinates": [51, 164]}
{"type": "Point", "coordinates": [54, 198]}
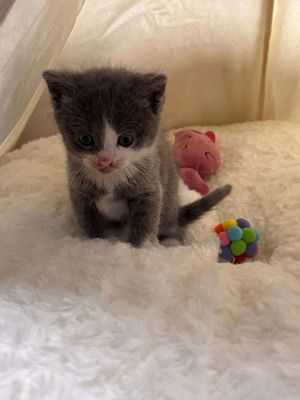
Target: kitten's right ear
{"type": "Point", "coordinates": [152, 88]}
{"type": "Point", "coordinates": [60, 86]}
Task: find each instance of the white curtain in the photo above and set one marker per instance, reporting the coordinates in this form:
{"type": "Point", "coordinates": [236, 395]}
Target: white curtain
{"type": "Point", "coordinates": [282, 85]}
{"type": "Point", "coordinates": [32, 34]}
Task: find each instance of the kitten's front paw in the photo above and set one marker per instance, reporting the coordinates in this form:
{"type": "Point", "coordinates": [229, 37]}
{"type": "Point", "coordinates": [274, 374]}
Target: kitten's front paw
{"type": "Point", "coordinates": [171, 242]}
{"type": "Point", "coordinates": [147, 243]}
{"type": "Point", "coordinates": [136, 243]}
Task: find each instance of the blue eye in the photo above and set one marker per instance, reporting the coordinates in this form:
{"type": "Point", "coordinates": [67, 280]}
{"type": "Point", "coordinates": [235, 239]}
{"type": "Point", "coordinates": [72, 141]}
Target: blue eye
{"type": "Point", "coordinates": [125, 140]}
{"type": "Point", "coordinates": [85, 141]}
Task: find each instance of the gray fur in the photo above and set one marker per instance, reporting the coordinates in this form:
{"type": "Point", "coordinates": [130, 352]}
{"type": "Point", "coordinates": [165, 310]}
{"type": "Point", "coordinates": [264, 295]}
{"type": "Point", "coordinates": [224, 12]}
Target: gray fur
{"type": "Point", "coordinates": [131, 102]}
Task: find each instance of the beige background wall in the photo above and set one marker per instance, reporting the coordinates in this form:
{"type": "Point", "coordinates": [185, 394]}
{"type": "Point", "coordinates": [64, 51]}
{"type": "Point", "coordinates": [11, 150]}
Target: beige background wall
{"type": "Point", "coordinates": [227, 60]}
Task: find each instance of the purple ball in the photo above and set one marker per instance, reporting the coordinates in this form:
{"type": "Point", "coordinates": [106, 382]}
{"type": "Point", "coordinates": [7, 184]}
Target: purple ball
{"type": "Point", "coordinates": [251, 249]}
{"type": "Point", "coordinates": [225, 253]}
{"type": "Point", "coordinates": [243, 223]}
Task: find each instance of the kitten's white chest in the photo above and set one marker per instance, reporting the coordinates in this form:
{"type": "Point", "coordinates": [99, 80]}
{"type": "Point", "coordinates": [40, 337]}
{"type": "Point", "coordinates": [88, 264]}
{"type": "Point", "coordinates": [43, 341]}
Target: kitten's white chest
{"type": "Point", "coordinates": [112, 208]}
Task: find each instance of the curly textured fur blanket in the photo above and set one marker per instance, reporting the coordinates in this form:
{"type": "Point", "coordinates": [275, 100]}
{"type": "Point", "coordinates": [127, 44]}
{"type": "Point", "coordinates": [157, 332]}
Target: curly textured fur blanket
{"type": "Point", "coordinates": [89, 319]}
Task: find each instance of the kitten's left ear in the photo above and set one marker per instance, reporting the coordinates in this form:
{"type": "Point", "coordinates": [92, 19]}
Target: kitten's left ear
{"type": "Point", "coordinates": [153, 89]}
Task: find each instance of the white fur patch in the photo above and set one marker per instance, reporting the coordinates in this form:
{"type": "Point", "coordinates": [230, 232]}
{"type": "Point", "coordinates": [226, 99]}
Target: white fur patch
{"type": "Point", "coordinates": [110, 180]}
{"type": "Point", "coordinates": [124, 157]}
{"type": "Point", "coordinates": [110, 142]}
{"type": "Point", "coordinates": [111, 208]}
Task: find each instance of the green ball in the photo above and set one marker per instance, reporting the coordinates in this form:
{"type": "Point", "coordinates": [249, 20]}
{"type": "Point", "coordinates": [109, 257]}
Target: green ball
{"type": "Point", "coordinates": [249, 235]}
{"type": "Point", "coordinates": [238, 247]}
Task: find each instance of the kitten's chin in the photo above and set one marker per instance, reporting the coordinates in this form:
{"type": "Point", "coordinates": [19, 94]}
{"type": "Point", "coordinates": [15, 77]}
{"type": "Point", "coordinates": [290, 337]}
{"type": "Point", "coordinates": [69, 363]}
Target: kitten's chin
{"type": "Point", "coordinates": [116, 167]}
{"type": "Point", "coordinates": [108, 170]}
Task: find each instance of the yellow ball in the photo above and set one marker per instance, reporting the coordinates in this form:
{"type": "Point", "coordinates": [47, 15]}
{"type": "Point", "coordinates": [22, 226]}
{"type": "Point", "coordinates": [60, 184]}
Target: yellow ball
{"type": "Point", "coordinates": [229, 222]}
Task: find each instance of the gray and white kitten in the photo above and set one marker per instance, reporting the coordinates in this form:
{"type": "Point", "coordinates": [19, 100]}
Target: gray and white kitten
{"type": "Point", "coordinates": [122, 178]}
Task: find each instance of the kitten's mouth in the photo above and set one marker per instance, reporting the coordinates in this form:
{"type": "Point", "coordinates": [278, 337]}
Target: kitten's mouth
{"type": "Point", "coordinates": [108, 169]}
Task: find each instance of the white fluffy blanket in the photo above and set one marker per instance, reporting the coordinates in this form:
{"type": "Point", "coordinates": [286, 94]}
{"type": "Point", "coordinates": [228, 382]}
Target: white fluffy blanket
{"type": "Point", "coordinates": [89, 319]}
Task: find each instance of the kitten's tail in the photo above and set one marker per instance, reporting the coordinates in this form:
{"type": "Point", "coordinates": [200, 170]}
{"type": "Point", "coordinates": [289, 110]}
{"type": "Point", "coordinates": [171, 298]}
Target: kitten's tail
{"type": "Point", "coordinates": [193, 211]}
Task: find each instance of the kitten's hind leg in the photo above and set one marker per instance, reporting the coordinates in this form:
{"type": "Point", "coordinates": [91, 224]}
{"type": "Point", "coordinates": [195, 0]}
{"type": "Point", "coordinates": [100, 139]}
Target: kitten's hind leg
{"type": "Point", "coordinates": [170, 234]}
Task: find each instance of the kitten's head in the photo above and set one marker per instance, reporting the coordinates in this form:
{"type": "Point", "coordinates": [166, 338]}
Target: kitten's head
{"type": "Point", "coordinates": [109, 118]}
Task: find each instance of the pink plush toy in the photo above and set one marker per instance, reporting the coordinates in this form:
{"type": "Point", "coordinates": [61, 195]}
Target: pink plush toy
{"type": "Point", "coordinates": [197, 157]}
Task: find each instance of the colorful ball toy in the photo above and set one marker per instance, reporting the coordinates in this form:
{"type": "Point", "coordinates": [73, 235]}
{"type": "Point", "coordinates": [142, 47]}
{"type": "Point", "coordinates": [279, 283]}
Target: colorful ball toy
{"type": "Point", "coordinates": [238, 240]}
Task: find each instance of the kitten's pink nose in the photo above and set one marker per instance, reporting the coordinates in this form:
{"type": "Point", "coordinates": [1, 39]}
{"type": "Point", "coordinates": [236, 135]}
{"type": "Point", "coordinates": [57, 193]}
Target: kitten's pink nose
{"type": "Point", "coordinates": [104, 161]}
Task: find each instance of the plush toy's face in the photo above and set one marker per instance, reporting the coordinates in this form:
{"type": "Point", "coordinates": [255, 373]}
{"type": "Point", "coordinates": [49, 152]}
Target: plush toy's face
{"type": "Point", "coordinates": [197, 150]}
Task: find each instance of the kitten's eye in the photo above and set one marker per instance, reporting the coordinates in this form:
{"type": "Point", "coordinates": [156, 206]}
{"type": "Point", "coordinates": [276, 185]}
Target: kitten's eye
{"type": "Point", "coordinates": [125, 140]}
{"type": "Point", "coordinates": [85, 141]}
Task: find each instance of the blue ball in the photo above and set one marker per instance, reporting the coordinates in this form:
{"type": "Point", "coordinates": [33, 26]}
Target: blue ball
{"type": "Point", "coordinates": [257, 234]}
{"type": "Point", "coordinates": [235, 233]}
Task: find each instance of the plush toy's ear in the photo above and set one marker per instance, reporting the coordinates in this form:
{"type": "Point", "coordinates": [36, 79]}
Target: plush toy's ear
{"type": "Point", "coordinates": [211, 136]}
{"type": "Point", "coordinates": [178, 134]}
